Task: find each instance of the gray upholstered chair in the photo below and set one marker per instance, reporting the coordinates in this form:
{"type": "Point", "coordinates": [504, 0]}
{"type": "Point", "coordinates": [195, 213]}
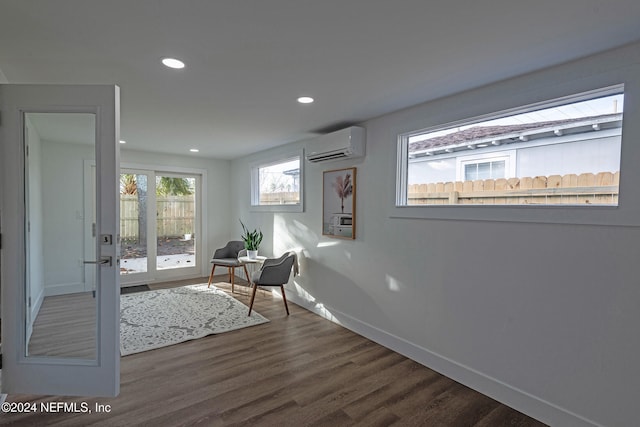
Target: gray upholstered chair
{"type": "Point", "coordinates": [228, 257]}
{"type": "Point", "coordinates": [274, 272]}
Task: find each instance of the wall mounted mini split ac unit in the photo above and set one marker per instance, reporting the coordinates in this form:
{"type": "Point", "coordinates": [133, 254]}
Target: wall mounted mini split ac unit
{"type": "Point", "coordinates": [347, 143]}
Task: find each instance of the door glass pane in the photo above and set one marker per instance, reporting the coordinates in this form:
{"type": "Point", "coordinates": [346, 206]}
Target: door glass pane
{"type": "Point", "coordinates": [61, 269]}
{"type": "Point", "coordinates": [176, 221]}
{"type": "Point", "coordinates": [133, 223]}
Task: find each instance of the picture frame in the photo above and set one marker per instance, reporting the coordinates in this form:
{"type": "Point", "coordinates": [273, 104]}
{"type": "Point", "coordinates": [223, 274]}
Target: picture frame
{"type": "Point", "coordinates": [339, 203]}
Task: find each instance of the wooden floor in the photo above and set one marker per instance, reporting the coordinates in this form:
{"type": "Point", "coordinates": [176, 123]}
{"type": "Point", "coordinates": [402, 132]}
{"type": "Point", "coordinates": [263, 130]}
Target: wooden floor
{"type": "Point", "coordinates": [65, 327]}
{"type": "Point", "coordinates": [297, 370]}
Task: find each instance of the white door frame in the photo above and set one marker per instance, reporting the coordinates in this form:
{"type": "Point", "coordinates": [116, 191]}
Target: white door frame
{"type": "Point", "coordinates": [52, 375]}
{"type": "Point", "coordinates": [153, 275]}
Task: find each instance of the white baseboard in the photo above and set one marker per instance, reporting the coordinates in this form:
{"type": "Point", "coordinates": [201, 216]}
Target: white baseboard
{"type": "Point", "coordinates": [35, 309]}
{"type": "Point", "coordinates": [520, 400]}
{"type": "Point", "coordinates": [63, 288]}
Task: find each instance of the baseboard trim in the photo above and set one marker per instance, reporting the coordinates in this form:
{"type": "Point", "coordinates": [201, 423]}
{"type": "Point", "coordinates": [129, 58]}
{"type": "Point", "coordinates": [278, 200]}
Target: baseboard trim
{"type": "Point", "coordinates": [35, 309]}
{"type": "Point", "coordinates": [520, 400]}
{"type": "Point", "coordinates": [62, 289]}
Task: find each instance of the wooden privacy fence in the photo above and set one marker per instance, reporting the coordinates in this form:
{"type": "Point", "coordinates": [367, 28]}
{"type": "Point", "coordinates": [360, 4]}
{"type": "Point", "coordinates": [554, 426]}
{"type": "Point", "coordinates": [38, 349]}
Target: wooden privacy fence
{"type": "Point", "coordinates": [586, 188]}
{"type": "Point", "coordinates": [175, 216]}
{"type": "Point", "coordinates": [280, 198]}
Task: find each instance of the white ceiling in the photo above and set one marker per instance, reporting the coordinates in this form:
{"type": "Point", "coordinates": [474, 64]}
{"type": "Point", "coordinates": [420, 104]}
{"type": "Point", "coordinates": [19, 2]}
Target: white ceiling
{"type": "Point", "coordinates": [74, 128]}
{"type": "Point", "coordinates": [248, 60]}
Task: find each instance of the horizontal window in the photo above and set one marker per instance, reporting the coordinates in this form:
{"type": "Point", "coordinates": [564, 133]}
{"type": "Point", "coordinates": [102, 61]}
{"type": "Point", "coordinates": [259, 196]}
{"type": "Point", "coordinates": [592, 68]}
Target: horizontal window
{"type": "Point", "coordinates": [277, 185]}
{"type": "Point", "coordinates": [561, 152]}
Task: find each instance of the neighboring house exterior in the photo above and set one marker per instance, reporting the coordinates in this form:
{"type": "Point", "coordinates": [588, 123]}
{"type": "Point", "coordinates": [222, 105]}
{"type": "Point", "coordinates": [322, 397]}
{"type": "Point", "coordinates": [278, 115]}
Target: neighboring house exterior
{"type": "Point", "coordinates": [571, 146]}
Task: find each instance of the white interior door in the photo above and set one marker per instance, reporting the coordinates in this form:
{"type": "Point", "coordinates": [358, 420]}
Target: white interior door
{"type": "Point", "coordinates": [61, 321]}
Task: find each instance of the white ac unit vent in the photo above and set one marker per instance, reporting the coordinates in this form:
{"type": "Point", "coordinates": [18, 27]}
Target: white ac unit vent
{"type": "Point", "coordinates": [342, 144]}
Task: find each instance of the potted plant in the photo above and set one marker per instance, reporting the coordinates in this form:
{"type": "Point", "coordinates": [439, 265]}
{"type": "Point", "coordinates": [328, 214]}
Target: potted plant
{"type": "Point", "coordinates": [252, 240]}
{"type": "Point", "coordinates": [186, 233]}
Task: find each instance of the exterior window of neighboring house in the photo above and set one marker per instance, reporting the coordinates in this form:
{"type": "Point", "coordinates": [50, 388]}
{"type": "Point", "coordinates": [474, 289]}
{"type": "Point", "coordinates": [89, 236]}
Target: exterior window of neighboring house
{"type": "Point", "coordinates": [484, 170]}
{"type": "Point", "coordinates": [277, 185]}
{"type": "Point", "coordinates": [560, 152]}
{"type": "Point", "coordinates": [486, 166]}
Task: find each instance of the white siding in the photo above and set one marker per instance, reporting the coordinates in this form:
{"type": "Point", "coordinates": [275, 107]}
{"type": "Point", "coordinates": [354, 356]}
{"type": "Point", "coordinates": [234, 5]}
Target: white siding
{"type": "Point", "coordinates": [594, 155]}
{"type": "Point", "coordinates": [543, 158]}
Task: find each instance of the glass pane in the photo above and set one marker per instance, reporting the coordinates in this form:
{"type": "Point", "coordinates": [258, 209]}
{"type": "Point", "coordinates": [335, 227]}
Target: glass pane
{"type": "Point", "coordinates": [484, 170]}
{"type": "Point", "coordinates": [570, 148]}
{"type": "Point", "coordinates": [471, 172]}
{"type": "Point", "coordinates": [176, 220]}
{"type": "Point", "coordinates": [133, 223]}
{"type": "Point", "coordinates": [280, 183]}
{"type": "Point", "coordinates": [61, 273]}
{"type": "Point", "coordinates": [498, 169]}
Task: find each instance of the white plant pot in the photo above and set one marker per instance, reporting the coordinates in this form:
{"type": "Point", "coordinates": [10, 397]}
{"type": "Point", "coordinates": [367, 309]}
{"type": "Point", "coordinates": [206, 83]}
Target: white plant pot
{"type": "Point", "coordinates": [252, 254]}
{"type": "Point", "coordinates": [187, 237]}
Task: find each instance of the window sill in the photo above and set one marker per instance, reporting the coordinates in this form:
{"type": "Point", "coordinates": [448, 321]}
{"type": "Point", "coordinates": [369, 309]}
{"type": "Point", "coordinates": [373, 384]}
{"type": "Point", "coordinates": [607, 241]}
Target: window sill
{"type": "Point", "coordinates": [607, 215]}
{"type": "Point", "coordinates": [276, 208]}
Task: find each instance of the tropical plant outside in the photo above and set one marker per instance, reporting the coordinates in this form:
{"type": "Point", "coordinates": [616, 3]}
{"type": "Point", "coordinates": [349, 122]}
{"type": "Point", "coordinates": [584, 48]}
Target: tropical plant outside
{"type": "Point", "coordinates": [165, 185]}
{"type": "Point", "coordinates": [168, 186]}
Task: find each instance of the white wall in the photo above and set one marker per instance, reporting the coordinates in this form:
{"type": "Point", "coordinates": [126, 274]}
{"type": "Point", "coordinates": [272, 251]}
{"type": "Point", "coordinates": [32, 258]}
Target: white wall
{"type": "Point", "coordinates": [541, 316]}
{"type": "Point", "coordinates": [63, 218]}
{"type": "Point", "coordinates": [64, 166]}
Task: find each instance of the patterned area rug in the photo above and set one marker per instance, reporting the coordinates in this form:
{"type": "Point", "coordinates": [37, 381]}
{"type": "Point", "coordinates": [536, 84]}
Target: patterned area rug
{"type": "Point", "coordinates": [159, 318]}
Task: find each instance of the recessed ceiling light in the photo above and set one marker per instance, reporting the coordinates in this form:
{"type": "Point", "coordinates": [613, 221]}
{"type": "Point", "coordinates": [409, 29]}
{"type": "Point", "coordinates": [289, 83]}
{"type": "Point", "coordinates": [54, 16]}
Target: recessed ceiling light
{"type": "Point", "coordinates": [122, 141]}
{"type": "Point", "coordinates": [305, 100]}
{"type": "Point", "coordinates": [194, 150]}
{"type": "Point", "coordinates": [173, 63]}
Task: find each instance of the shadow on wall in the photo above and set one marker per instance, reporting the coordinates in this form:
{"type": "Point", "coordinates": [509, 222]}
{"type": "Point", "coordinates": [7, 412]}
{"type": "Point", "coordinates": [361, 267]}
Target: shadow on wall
{"type": "Point", "coordinates": [308, 291]}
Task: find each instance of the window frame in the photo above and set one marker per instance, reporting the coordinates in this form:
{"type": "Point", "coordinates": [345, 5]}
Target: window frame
{"type": "Point", "coordinates": [509, 158]}
{"type": "Point", "coordinates": [255, 205]}
{"type": "Point", "coordinates": [626, 213]}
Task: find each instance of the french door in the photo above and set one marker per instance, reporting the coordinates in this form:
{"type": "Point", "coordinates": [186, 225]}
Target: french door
{"type": "Point", "coordinates": [160, 225]}
{"type": "Point", "coordinates": [60, 285]}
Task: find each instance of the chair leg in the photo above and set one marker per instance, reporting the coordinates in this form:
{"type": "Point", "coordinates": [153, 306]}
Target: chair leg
{"type": "Point", "coordinates": [232, 276]}
{"type": "Point", "coordinates": [247, 274]}
{"type": "Point", "coordinates": [284, 298]}
{"type": "Point", "coordinates": [253, 297]}
{"type": "Point", "coordinates": [211, 275]}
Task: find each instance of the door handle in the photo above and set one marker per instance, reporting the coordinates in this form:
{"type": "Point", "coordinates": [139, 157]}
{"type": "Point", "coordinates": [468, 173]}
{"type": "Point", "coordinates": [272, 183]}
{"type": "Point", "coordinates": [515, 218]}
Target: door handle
{"type": "Point", "coordinates": [102, 261]}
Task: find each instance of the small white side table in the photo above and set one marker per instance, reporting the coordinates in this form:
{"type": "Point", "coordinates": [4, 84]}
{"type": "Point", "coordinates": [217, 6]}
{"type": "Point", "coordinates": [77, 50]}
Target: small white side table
{"type": "Point", "coordinates": [257, 260]}
{"type": "Point", "coordinates": [253, 263]}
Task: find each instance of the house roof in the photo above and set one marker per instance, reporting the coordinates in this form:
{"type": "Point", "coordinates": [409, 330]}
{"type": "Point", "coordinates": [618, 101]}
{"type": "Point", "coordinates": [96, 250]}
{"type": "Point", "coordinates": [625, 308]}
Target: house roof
{"type": "Point", "coordinates": [514, 133]}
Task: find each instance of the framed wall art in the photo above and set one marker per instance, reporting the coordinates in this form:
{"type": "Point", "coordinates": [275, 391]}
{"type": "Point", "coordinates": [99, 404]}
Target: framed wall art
{"type": "Point", "coordinates": [339, 203]}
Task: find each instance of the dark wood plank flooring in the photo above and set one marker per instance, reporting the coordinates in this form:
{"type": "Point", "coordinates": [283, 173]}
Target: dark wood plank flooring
{"type": "Point", "coordinates": [297, 370]}
{"type": "Point", "coordinates": [65, 327]}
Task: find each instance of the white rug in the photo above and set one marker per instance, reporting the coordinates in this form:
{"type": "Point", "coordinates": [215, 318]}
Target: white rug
{"type": "Point", "coordinates": [154, 319]}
